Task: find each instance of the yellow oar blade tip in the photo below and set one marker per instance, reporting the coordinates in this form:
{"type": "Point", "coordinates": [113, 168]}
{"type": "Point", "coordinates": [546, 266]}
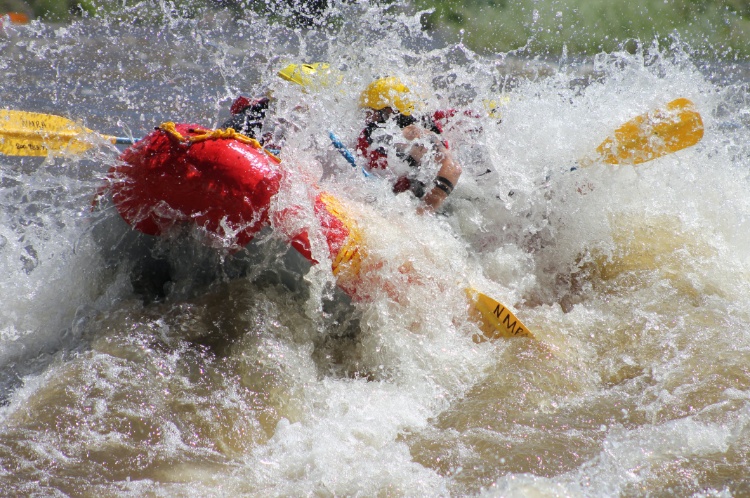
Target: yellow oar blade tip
{"type": "Point", "coordinates": [494, 319]}
{"type": "Point", "coordinates": [681, 103]}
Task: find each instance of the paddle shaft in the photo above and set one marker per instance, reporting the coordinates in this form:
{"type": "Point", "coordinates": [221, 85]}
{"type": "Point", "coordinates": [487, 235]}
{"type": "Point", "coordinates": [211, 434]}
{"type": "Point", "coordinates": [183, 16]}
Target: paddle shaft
{"type": "Point", "coordinates": [60, 136]}
{"type": "Point", "coordinates": [345, 152]}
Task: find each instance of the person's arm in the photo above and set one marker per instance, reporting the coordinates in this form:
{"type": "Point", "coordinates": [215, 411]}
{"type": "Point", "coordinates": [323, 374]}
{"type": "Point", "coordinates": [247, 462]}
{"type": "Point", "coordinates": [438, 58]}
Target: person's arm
{"type": "Point", "coordinates": [446, 180]}
{"type": "Point", "coordinates": [448, 175]}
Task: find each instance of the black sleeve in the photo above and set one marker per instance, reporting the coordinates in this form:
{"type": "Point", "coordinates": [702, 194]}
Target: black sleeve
{"type": "Point", "coordinates": [248, 124]}
{"type": "Point", "coordinates": [382, 141]}
{"type": "Point", "coordinates": [239, 123]}
{"type": "Point", "coordinates": [403, 120]}
{"type": "Point", "coordinates": [429, 124]}
{"type": "Point", "coordinates": [249, 120]}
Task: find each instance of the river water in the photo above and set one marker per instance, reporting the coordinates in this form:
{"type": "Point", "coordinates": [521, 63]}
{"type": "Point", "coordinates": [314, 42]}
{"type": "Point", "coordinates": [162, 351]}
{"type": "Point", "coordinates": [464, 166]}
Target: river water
{"type": "Point", "coordinates": [135, 366]}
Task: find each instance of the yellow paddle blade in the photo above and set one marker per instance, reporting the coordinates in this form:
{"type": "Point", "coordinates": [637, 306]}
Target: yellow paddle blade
{"type": "Point", "coordinates": [36, 134]}
{"type": "Point", "coordinates": [648, 136]}
{"type": "Point", "coordinates": [494, 319]}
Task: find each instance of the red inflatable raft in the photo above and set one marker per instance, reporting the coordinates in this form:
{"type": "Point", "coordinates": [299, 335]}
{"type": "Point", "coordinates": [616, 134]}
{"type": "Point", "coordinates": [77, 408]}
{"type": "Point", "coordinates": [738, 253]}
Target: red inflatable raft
{"type": "Point", "coordinates": [223, 182]}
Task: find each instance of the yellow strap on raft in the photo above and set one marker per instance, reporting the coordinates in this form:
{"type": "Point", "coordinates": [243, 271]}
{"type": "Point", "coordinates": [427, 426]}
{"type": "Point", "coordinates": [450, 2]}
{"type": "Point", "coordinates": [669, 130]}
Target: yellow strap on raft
{"type": "Point", "coordinates": [228, 134]}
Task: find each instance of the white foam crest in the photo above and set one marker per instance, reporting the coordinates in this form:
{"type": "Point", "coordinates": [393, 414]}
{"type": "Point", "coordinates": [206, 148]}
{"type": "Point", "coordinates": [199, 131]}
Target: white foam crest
{"type": "Point", "coordinates": [630, 458]}
{"type": "Point", "coordinates": [348, 444]}
{"type": "Point", "coordinates": [53, 272]}
{"type": "Point", "coordinates": [635, 456]}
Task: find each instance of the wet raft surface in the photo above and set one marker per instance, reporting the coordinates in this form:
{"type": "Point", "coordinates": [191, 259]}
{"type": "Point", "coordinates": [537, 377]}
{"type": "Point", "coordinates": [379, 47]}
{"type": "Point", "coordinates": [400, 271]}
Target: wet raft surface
{"type": "Point", "coordinates": [135, 366]}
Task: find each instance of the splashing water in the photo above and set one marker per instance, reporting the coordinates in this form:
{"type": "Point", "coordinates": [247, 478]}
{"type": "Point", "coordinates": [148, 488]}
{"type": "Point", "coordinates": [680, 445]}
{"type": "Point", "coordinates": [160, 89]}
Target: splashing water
{"type": "Point", "coordinates": [136, 366]}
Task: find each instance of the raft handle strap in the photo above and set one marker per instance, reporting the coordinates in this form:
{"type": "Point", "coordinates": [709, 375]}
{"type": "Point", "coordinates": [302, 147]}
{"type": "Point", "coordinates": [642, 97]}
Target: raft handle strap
{"type": "Point", "coordinates": [229, 134]}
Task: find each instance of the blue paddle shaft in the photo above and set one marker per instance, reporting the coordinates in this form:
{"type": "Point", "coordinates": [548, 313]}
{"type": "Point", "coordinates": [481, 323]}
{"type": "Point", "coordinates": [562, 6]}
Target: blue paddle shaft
{"type": "Point", "coordinates": [344, 151]}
